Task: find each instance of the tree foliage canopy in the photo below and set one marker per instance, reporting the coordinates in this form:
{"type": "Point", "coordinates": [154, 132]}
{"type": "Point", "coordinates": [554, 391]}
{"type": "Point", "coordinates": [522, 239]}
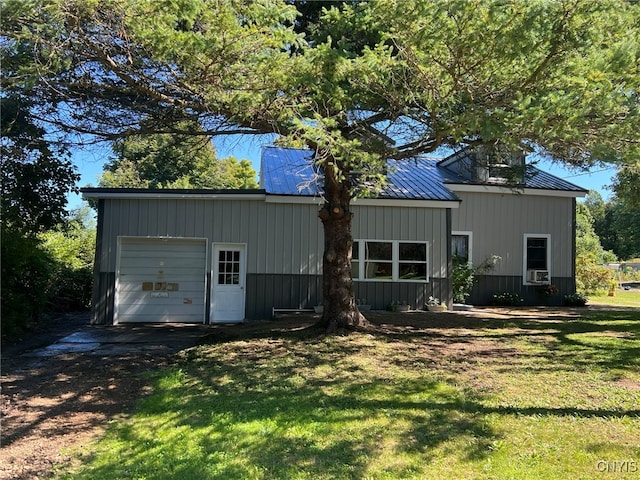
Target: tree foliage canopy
{"type": "Point", "coordinates": [174, 161]}
{"type": "Point", "coordinates": [36, 175]}
{"type": "Point", "coordinates": [560, 75]}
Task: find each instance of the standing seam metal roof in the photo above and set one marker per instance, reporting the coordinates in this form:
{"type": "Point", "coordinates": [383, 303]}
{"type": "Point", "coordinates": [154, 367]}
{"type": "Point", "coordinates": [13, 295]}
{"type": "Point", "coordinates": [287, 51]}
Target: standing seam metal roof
{"type": "Point", "coordinates": [286, 171]}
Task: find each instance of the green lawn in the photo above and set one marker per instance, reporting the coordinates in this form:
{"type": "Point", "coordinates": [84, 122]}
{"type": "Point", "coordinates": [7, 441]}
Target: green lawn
{"type": "Point", "coordinates": [540, 394]}
{"type": "Point", "coordinates": [622, 298]}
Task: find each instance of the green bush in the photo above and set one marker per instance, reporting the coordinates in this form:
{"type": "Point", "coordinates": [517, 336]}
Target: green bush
{"type": "Point", "coordinates": [592, 278]}
{"type": "Point", "coordinates": [575, 300]}
{"type": "Point", "coordinates": [464, 275]}
{"type": "Point", "coordinates": [26, 272]}
{"type": "Point", "coordinates": [506, 299]}
{"type": "Point", "coordinates": [462, 280]}
{"type": "Point", "coordinates": [72, 248]}
{"type": "Point", "coordinates": [51, 271]}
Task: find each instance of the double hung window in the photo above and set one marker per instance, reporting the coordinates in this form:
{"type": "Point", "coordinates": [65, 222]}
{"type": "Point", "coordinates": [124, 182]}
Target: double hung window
{"type": "Point", "coordinates": [389, 260]}
{"type": "Point", "coordinates": [536, 258]}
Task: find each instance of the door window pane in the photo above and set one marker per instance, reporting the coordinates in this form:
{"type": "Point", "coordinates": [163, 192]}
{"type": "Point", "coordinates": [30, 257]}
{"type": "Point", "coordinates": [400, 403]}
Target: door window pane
{"type": "Point", "coordinates": [229, 267]}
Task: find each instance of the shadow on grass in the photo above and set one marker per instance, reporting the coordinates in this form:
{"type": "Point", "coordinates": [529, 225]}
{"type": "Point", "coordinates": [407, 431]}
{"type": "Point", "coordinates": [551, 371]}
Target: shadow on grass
{"type": "Point", "coordinates": [252, 428]}
{"type": "Point", "coordinates": [573, 338]}
{"type": "Point", "coordinates": [284, 401]}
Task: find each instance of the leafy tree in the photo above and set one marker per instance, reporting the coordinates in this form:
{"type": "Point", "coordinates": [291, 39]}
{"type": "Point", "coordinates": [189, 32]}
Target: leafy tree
{"type": "Point", "coordinates": [359, 83]}
{"type": "Point", "coordinates": [174, 161]}
{"type": "Point", "coordinates": [591, 275]}
{"type": "Point", "coordinates": [617, 222]}
{"type": "Point", "coordinates": [624, 212]}
{"type": "Point", "coordinates": [596, 206]}
{"type": "Point", "coordinates": [626, 185]}
{"type": "Point", "coordinates": [35, 176]}
{"type": "Point", "coordinates": [34, 179]}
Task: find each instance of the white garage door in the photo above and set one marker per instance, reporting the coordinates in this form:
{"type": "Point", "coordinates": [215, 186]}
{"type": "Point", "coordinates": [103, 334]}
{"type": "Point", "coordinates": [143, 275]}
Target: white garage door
{"type": "Point", "coordinates": [161, 280]}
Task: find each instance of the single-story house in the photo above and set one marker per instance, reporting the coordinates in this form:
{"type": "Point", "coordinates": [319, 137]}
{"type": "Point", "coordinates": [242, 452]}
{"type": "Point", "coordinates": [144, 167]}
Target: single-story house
{"type": "Point", "coordinates": [221, 256]}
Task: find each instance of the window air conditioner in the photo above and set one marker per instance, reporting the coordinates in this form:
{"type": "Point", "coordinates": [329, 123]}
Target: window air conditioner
{"type": "Point", "coordinates": [539, 276]}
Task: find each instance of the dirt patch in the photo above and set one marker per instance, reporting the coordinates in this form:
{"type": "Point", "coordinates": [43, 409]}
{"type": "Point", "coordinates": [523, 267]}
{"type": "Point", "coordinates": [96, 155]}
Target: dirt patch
{"type": "Point", "coordinates": [53, 404]}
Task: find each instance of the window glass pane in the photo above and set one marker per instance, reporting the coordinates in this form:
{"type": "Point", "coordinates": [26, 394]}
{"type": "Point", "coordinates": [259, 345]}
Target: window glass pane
{"type": "Point", "coordinates": [460, 247]}
{"type": "Point", "coordinates": [355, 266]}
{"type": "Point", "coordinates": [413, 271]}
{"type": "Point", "coordinates": [536, 254]}
{"type": "Point", "coordinates": [228, 267]}
{"type": "Point", "coordinates": [381, 270]}
{"type": "Point", "coordinates": [355, 250]}
{"type": "Point", "coordinates": [378, 251]}
{"type": "Point", "coordinates": [413, 251]}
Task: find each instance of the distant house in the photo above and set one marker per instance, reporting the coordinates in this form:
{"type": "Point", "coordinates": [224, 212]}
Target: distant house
{"type": "Point", "coordinates": [210, 256]}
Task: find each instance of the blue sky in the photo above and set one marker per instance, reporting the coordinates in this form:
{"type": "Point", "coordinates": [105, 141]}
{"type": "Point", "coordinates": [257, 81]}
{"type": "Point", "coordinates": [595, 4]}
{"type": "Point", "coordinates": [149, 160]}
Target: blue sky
{"type": "Point", "coordinates": [90, 161]}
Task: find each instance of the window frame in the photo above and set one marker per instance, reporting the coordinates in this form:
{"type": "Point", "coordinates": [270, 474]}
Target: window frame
{"type": "Point", "coordinates": [395, 260]}
{"type": "Point", "coordinates": [525, 269]}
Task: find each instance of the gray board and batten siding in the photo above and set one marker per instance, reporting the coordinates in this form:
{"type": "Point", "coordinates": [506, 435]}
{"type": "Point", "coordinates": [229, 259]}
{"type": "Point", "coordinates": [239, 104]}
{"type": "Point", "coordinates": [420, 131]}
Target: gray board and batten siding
{"type": "Point", "coordinates": [283, 238]}
{"type": "Point", "coordinates": [499, 220]}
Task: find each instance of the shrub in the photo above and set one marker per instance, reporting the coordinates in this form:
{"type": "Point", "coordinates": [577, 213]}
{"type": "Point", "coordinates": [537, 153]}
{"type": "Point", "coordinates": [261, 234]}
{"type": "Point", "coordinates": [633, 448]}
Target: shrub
{"type": "Point", "coordinates": [464, 276]}
{"type": "Point", "coordinates": [26, 273]}
{"type": "Point", "coordinates": [592, 278]}
{"type": "Point", "coordinates": [575, 300]}
{"type": "Point", "coordinates": [462, 281]}
{"type": "Point", "coordinates": [506, 299]}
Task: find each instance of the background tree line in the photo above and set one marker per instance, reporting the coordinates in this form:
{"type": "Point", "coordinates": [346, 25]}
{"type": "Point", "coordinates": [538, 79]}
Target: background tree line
{"type": "Point", "coordinates": [608, 231]}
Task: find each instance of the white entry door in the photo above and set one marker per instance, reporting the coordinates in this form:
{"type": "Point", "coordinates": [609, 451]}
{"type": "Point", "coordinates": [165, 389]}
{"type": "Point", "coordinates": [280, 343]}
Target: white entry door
{"type": "Point", "coordinates": [228, 283]}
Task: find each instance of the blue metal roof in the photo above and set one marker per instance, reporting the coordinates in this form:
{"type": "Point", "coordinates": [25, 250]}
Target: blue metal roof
{"type": "Point", "coordinates": [287, 171]}
{"type": "Point", "coordinates": [417, 179]}
{"type": "Point", "coordinates": [534, 178]}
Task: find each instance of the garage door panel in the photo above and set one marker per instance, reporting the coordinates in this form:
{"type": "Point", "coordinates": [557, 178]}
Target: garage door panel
{"type": "Point", "coordinates": [182, 289]}
{"type": "Point", "coordinates": [183, 263]}
{"type": "Point", "coordinates": [160, 298]}
{"type": "Point", "coordinates": [161, 280]}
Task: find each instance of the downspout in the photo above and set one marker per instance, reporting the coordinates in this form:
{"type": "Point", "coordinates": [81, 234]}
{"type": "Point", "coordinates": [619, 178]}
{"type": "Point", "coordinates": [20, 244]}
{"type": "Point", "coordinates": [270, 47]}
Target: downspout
{"type": "Point", "coordinates": [449, 282]}
{"type": "Point", "coordinates": [572, 286]}
{"type": "Point", "coordinates": [98, 297]}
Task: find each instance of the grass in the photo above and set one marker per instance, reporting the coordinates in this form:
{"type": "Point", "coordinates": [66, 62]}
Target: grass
{"type": "Point", "coordinates": [514, 394]}
{"type": "Point", "coordinates": [622, 298]}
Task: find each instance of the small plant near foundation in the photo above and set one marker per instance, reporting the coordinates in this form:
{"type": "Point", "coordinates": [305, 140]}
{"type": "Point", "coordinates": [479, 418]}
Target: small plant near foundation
{"type": "Point", "coordinates": [506, 299]}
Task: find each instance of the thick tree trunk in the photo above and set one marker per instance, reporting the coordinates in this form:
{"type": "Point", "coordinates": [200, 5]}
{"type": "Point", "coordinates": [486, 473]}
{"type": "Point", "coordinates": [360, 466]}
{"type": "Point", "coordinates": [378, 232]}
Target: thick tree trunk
{"type": "Point", "coordinates": [340, 310]}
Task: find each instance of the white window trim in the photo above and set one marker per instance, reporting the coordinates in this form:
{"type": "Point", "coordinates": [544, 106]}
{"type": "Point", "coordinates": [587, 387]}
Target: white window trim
{"type": "Point", "coordinates": [525, 272]}
{"type": "Point", "coordinates": [395, 261]}
{"type": "Point", "coordinates": [468, 234]}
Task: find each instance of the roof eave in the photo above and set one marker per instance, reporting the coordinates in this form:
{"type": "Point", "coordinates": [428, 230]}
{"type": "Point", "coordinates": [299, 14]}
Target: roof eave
{"type": "Point", "coordinates": [502, 189]}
